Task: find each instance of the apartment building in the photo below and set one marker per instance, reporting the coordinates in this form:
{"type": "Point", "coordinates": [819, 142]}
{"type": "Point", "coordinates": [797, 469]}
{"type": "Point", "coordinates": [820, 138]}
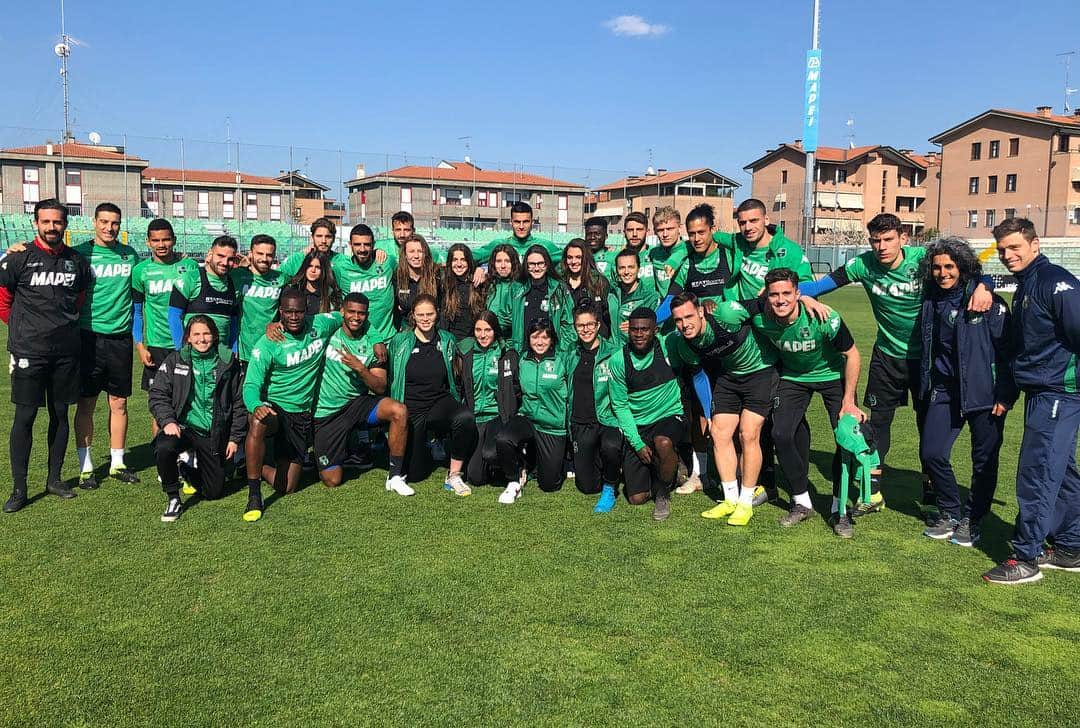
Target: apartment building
{"type": "Point", "coordinates": [682, 189]}
{"type": "Point", "coordinates": [1003, 163]}
{"type": "Point", "coordinates": [851, 186]}
{"type": "Point", "coordinates": [457, 195]}
{"type": "Point", "coordinates": [214, 195]}
{"type": "Point", "coordinates": [307, 200]}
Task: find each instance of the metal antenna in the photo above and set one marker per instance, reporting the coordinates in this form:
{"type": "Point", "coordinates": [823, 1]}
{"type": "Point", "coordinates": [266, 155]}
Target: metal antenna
{"type": "Point", "coordinates": [468, 147]}
{"type": "Point", "coordinates": [63, 50]}
{"type": "Point", "coordinates": [1067, 56]}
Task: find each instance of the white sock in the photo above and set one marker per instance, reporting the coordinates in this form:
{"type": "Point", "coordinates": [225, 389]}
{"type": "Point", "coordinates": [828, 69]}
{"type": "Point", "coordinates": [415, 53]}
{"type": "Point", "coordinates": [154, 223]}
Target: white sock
{"type": "Point", "coordinates": [835, 504]}
{"type": "Point", "coordinates": [117, 455]}
{"type": "Point", "coordinates": [84, 459]}
{"type": "Point", "coordinates": [803, 499]}
{"type": "Point", "coordinates": [700, 465]}
{"type": "Point", "coordinates": [731, 490]}
{"type": "Point", "coordinates": [184, 457]}
{"type": "Point", "coordinates": [746, 495]}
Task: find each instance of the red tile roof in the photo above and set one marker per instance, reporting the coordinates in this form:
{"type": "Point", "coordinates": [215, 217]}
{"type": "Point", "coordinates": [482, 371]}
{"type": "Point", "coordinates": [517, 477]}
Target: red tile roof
{"type": "Point", "coordinates": [466, 172]}
{"type": "Point", "coordinates": [649, 181]}
{"type": "Point", "coordinates": [837, 154]}
{"type": "Point", "coordinates": [74, 150]}
{"type": "Point", "coordinates": [842, 154]}
{"type": "Point", "coordinates": [1052, 119]}
{"type": "Point", "coordinates": [205, 175]}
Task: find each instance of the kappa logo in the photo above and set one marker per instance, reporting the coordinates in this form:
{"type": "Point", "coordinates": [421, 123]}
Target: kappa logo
{"type": "Point", "coordinates": [1061, 287]}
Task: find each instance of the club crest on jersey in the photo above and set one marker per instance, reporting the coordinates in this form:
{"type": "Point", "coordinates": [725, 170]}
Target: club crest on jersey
{"type": "Point", "coordinates": [69, 265]}
{"type": "Point", "coordinates": [952, 316]}
{"type": "Point", "coordinates": [804, 332]}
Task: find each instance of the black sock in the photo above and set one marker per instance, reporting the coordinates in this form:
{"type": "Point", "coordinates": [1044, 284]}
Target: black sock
{"type": "Point", "coordinates": [254, 487]}
{"type": "Point", "coordinates": [172, 490]}
{"type": "Point", "coordinates": [397, 462]}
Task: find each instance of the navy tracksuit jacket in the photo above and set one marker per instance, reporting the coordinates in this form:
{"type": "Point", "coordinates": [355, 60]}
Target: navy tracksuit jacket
{"type": "Point", "coordinates": [1046, 331]}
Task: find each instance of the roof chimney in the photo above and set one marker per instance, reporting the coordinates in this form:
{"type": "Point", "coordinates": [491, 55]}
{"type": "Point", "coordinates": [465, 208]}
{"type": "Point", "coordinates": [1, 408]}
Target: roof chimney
{"type": "Point", "coordinates": [360, 171]}
{"type": "Point", "coordinates": [1043, 111]}
{"type": "Point", "coordinates": [1076, 112]}
{"type": "Point", "coordinates": [662, 170]}
{"type": "Point", "coordinates": [906, 151]}
{"type": "Point", "coordinates": [797, 143]}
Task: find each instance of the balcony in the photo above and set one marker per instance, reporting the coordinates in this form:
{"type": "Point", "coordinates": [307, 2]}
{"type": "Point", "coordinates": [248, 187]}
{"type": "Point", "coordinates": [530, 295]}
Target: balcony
{"type": "Point", "coordinates": [918, 193]}
{"type": "Point", "coordinates": [839, 195]}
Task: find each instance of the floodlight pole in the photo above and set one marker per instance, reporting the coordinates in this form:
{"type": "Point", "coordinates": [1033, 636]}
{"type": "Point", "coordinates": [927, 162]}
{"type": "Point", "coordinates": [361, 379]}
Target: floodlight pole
{"type": "Point", "coordinates": [810, 141]}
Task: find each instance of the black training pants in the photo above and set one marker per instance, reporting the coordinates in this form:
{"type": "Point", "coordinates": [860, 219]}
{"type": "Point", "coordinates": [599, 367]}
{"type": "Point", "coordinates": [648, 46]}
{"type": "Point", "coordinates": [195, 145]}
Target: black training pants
{"type": "Point", "coordinates": [598, 452]}
{"type": "Point", "coordinates": [791, 434]}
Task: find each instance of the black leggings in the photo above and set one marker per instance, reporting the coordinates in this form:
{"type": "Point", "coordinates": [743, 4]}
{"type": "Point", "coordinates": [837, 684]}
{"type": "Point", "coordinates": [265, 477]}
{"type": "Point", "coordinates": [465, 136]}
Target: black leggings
{"type": "Point", "coordinates": [22, 440]}
{"type": "Point", "coordinates": [208, 478]}
{"type": "Point", "coordinates": [792, 434]}
{"type": "Point", "coordinates": [518, 444]}
{"type": "Point", "coordinates": [598, 453]}
{"type": "Point", "coordinates": [445, 416]}
{"type": "Point", "coordinates": [484, 463]}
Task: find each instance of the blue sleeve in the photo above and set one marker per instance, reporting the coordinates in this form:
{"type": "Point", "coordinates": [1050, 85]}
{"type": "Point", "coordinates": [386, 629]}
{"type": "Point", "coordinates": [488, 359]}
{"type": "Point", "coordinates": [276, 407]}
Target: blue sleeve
{"type": "Point", "coordinates": [234, 333]}
{"type": "Point", "coordinates": [1065, 308]}
{"type": "Point", "coordinates": [176, 326]}
{"type": "Point", "coordinates": [987, 281]}
{"type": "Point", "coordinates": [663, 311]}
{"type": "Point", "coordinates": [704, 391]}
{"type": "Point", "coordinates": [137, 322]}
{"type": "Point", "coordinates": [818, 287]}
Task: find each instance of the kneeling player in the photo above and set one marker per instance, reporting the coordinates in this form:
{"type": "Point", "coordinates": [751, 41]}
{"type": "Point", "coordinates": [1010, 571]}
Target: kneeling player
{"type": "Point", "coordinates": [195, 401]}
{"type": "Point", "coordinates": [645, 397]}
{"type": "Point", "coordinates": [353, 381]}
{"type": "Point", "coordinates": [279, 392]}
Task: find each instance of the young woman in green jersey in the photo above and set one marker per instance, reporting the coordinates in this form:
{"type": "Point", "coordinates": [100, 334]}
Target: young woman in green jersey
{"type": "Point", "coordinates": [416, 273]}
{"type": "Point", "coordinates": [195, 400]}
{"type": "Point", "coordinates": [462, 301]}
{"type": "Point", "coordinates": [504, 270]}
{"type": "Point", "coordinates": [585, 281]}
{"type": "Point", "coordinates": [542, 296]}
{"type": "Point", "coordinates": [477, 367]}
{"type": "Point", "coordinates": [536, 435]}
{"type": "Point", "coordinates": [316, 281]}
{"type": "Point", "coordinates": [422, 376]}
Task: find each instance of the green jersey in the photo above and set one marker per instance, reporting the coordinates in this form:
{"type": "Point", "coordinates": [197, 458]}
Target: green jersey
{"type": "Point", "coordinates": [703, 274]}
{"type": "Point", "coordinates": [258, 297]}
{"type": "Point", "coordinates": [727, 341]}
{"type": "Point", "coordinates": [199, 415]}
{"type": "Point", "coordinates": [544, 387]}
{"type": "Point", "coordinates": [751, 263]}
{"type": "Point", "coordinates": [621, 304]}
{"type": "Point", "coordinates": [376, 281]}
{"type": "Point", "coordinates": [500, 301]}
{"type": "Point", "coordinates": [108, 299]}
{"type": "Point", "coordinates": [340, 385]}
{"type": "Point", "coordinates": [485, 381]}
{"type": "Point", "coordinates": [810, 350]}
{"type": "Point", "coordinates": [292, 265]}
{"type": "Point", "coordinates": [635, 403]}
{"type": "Point", "coordinates": [189, 285]}
{"type": "Point", "coordinates": [152, 285]}
{"type": "Point", "coordinates": [662, 258]}
{"type": "Point", "coordinates": [895, 298]}
{"type": "Point", "coordinates": [286, 373]}
{"type": "Point", "coordinates": [645, 269]}
{"type": "Point", "coordinates": [483, 253]}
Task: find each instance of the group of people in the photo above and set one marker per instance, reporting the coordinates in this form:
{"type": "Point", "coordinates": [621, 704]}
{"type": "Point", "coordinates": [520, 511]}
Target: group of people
{"type": "Point", "coordinates": [629, 365]}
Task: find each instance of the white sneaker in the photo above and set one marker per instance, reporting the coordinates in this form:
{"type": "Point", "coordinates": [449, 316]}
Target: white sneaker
{"type": "Point", "coordinates": [398, 485]}
{"type": "Point", "coordinates": [693, 484]}
{"type": "Point", "coordinates": [511, 493]}
{"type": "Point", "coordinates": [456, 484]}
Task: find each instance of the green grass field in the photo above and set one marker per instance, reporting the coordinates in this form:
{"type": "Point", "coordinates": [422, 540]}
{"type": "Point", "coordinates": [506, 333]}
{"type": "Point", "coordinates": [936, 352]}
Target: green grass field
{"type": "Point", "coordinates": [357, 607]}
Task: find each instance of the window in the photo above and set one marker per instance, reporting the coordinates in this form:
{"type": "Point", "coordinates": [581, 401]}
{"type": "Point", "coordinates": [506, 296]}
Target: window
{"type": "Point", "coordinates": [1075, 219]}
{"type": "Point", "coordinates": [152, 201]}
{"type": "Point", "coordinates": [995, 149]}
{"type": "Point", "coordinates": [973, 185]}
{"type": "Point", "coordinates": [275, 207]}
{"type": "Point", "coordinates": [451, 196]}
{"type": "Point", "coordinates": [783, 176]}
{"type": "Point", "coordinates": [562, 228]}
{"type": "Point", "coordinates": [31, 190]}
{"type": "Point", "coordinates": [991, 184]}
{"type": "Point", "coordinates": [1010, 183]}
{"type": "Point", "coordinates": [481, 198]}
{"type": "Point", "coordinates": [1014, 147]}
{"type": "Point", "coordinates": [509, 198]}
{"type": "Point", "coordinates": [177, 203]}
{"type": "Point", "coordinates": [406, 199]}
{"type": "Point", "coordinates": [251, 206]}
{"type": "Point", "coordinates": [840, 176]}
{"type": "Point", "coordinates": [991, 218]}
{"type": "Point", "coordinates": [228, 201]}
{"type": "Point", "coordinates": [973, 218]}
{"type": "Point", "coordinates": [493, 199]}
{"type": "Point", "coordinates": [1010, 212]}
{"type": "Point", "coordinates": [204, 204]}
{"type": "Point", "coordinates": [1063, 142]}
{"type": "Point", "coordinates": [564, 206]}
{"type": "Point", "coordinates": [976, 150]}
{"type": "Point", "coordinates": [73, 191]}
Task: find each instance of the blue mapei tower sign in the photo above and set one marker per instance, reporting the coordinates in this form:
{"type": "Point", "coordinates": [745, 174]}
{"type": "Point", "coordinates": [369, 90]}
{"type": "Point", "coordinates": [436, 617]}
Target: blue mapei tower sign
{"type": "Point", "coordinates": [813, 84]}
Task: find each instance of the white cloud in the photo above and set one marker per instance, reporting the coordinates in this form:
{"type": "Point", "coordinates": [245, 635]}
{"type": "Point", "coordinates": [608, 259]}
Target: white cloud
{"type": "Point", "coordinates": [634, 25]}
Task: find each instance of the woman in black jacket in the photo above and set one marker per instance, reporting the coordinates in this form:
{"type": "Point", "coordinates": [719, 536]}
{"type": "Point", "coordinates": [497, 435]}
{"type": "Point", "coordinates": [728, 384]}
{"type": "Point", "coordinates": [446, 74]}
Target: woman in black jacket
{"type": "Point", "coordinates": [965, 378]}
{"type": "Point", "coordinates": [461, 302]}
{"type": "Point", "coordinates": [196, 401]}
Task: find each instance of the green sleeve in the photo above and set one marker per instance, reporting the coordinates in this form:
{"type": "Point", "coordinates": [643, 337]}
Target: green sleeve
{"type": "Point", "coordinates": [292, 264]}
{"type": "Point", "coordinates": [257, 369]}
{"type": "Point", "coordinates": [806, 273]}
{"type": "Point", "coordinates": [855, 269]}
{"type": "Point", "coordinates": [731, 314]}
{"type": "Point", "coordinates": [724, 240]}
{"type": "Point", "coordinates": [138, 279]}
{"type": "Point", "coordinates": [679, 355]}
{"type": "Point", "coordinates": [188, 283]}
{"type": "Point", "coordinates": [681, 272]}
{"type": "Point", "coordinates": [620, 400]}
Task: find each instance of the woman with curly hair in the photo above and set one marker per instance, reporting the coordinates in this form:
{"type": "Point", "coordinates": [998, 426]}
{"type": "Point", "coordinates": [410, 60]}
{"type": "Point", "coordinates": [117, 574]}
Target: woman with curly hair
{"type": "Point", "coordinates": [462, 302]}
{"type": "Point", "coordinates": [416, 273]}
{"type": "Point", "coordinates": [315, 279]}
{"type": "Point", "coordinates": [964, 378]}
{"type": "Point", "coordinates": [585, 281]}
{"type": "Point", "coordinates": [504, 270]}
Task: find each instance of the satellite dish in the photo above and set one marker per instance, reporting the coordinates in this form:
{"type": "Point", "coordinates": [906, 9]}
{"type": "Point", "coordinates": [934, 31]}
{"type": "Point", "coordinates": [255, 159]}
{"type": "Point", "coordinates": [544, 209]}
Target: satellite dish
{"type": "Point", "coordinates": [95, 138]}
{"type": "Point", "coordinates": [63, 50]}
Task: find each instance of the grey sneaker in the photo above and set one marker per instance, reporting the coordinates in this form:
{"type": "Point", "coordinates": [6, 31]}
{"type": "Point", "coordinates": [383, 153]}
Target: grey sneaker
{"type": "Point", "coordinates": [943, 528]}
{"type": "Point", "coordinates": [1061, 558]}
{"type": "Point", "coordinates": [797, 514]}
{"type": "Point", "coordinates": [842, 526]}
{"type": "Point", "coordinates": [661, 506]}
{"type": "Point", "coordinates": [1013, 571]}
{"type": "Point", "coordinates": [967, 533]}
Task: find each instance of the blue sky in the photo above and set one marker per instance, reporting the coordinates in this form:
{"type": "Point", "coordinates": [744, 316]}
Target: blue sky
{"type": "Point", "coordinates": [704, 83]}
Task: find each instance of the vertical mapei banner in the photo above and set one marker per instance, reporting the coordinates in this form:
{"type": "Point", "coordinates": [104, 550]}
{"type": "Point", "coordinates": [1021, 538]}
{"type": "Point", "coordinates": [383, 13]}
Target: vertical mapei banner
{"type": "Point", "coordinates": [813, 83]}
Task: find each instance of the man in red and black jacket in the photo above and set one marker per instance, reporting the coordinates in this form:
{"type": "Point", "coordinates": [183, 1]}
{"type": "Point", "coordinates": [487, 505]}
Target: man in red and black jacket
{"type": "Point", "coordinates": [42, 289]}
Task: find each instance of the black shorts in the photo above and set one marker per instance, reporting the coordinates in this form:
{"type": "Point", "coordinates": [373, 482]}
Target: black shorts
{"type": "Point", "coordinates": [106, 362]}
{"type": "Point", "coordinates": [754, 392]}
{"type": "Point", "coordinates": [35, 377]}
{"type": "Point", "coordinates": [157, 354]}
{"type": "Point", "coordinates": [332, 431]}
{"type": "Point", "coordinates": [889, 381]}
{"type": "Point", "coordinates": [672, 427]}
{"type": "Point", "coordinates": [293, 434]}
